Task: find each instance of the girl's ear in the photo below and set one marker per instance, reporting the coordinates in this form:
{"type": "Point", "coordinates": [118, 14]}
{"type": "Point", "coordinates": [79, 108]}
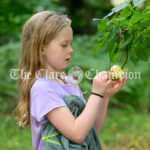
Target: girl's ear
{"type": "Point", "coordinates": [43, 51]}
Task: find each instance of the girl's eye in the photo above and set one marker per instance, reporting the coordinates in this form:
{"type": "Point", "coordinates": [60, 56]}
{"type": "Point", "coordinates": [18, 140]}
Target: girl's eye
{"type": "Point", "coordinates": [64, 45]}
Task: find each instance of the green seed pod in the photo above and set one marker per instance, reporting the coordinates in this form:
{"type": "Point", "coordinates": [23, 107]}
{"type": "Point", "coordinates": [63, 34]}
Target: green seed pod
{"type": "Point", "coordinates": [116, 73]}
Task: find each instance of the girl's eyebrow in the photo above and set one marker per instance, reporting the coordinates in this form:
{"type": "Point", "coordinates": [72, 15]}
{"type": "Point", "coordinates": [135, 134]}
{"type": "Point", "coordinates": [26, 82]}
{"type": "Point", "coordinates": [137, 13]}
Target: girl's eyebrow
{"type": "Point", "coordinates": [66, 40]}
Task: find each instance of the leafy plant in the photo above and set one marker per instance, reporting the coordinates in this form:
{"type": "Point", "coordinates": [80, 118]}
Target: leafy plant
{"type": "Point", "coordinates": [125, 30]}
{"type": "Point", "coordinates": [125, 33]}
{"type": "Point", "coordinates": [9, 57]}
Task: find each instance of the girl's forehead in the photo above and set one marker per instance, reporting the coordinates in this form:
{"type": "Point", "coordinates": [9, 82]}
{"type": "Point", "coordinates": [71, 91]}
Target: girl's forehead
{"type": "Point", "coordinates": [66, 34]}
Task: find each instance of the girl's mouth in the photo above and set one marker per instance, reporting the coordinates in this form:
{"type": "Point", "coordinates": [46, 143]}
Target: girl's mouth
{"type": "Point", "coordinates": [68, 59]}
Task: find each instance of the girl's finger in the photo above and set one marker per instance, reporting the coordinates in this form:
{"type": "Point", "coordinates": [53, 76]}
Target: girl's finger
{"type": "Point", "coordinates": [116, 88]}
{"type": "Point", "coordinates": [109, 82]}
{"type": "Point", "coordinates": [105, 75]}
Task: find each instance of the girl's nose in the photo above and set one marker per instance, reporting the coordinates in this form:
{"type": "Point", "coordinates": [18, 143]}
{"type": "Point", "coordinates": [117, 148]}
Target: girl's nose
{"type": "Point", "coordinates": [71, 50]}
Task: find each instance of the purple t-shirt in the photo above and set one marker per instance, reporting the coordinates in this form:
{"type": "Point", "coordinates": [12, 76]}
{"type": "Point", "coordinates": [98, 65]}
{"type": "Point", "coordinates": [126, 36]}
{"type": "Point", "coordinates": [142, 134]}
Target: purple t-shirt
{"type": "Point", "coordinates": [45, 95]}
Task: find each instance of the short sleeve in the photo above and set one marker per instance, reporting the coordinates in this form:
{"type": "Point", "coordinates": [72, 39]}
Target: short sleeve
{"type": "Point", "coordinates": [44, 99]}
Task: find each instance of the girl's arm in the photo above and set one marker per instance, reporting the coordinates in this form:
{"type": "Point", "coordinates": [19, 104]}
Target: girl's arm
{"type": "Point", "coordinates": [101, 115]}
{"type": "Point", "coordinates": [102, 111]}
{"type": "Point", "coordinates": [75, 129]}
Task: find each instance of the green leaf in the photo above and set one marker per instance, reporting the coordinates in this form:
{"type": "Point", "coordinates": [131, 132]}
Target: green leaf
{"type": "Point", "coordinates": [100, 43]}
{"type": "Point", "coordinates": [117, 8]}
{"type": "Point", "coordinates": [125, 13]}
{"type": "Point", "coordinates": [124, 5]}
{"type": "Point", "coordinates": [115, 21]}
{"type": "Point", "coordinates": [133, 24]}
{"type": "Point", "coordinates": [134, 60]}
{"type": "Point", "coordinates": [101, 26]}
{"type": "Point", "coordinates": [125, 43]}
{"type": "Point", "coordinates": [112, 33]}
{"type": "Point", "coordinates": [136, 18]}
{"type": "Point", "coordinates": [110, 40]}
{"type": "Point", "coordinates": [113, 54]}
{"type": "Point", "coordinates": [112, 51]}
{"type": "Point", "coordinates": [138, 2]}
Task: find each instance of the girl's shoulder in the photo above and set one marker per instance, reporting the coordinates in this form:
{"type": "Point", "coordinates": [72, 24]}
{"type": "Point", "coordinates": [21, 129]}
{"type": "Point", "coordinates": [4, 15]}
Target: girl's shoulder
{"type": "Point", "coordinates": [44, 83]}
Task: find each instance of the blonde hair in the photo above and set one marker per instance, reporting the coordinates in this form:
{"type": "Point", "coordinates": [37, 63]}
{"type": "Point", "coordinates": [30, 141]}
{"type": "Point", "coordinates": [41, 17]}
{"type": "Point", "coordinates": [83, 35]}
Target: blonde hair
{"type": "Point", "coordinates": [40, 29]}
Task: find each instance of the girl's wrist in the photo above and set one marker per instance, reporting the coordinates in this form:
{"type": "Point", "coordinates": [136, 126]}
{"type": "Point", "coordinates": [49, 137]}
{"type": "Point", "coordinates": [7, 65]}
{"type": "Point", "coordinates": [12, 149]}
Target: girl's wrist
{"type": "Point", "coordinates": [99, 95]}
{"type": "Point", "coordinates": [106, 96]}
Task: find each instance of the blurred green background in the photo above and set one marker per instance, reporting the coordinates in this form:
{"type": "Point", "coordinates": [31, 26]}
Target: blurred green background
{"type": "Point", "coordinates": [127, 125]}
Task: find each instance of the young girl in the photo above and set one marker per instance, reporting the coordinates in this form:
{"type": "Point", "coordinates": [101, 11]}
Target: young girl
{"type": "Point", "coordinates": [46, 52]}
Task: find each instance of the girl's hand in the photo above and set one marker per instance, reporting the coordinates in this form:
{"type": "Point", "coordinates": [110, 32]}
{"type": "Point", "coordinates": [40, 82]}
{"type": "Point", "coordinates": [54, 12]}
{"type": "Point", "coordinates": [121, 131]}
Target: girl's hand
{"type": "Point", "coordinates": [101, 82]}
{"type": "Point", "coordinates": [115, 86]}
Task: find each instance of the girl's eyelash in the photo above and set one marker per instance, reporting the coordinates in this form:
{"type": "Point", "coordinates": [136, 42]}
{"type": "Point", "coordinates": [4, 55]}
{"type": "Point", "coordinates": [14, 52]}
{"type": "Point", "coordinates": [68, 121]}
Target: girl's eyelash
{"type": "Point", "coordinates": [66, 45]}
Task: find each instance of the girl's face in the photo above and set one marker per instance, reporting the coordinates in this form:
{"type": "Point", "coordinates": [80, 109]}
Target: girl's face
{"type": "Point", "coordinates": [59, 50]}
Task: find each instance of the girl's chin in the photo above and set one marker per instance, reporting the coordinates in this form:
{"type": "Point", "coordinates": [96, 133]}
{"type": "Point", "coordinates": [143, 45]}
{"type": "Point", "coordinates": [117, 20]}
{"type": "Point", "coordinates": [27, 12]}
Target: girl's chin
{"type": "Point", "coordinates": [63, 67]}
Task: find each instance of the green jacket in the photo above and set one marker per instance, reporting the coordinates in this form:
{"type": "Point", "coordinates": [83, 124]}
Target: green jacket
{"type": "Point", "coordinates": [54, 140]}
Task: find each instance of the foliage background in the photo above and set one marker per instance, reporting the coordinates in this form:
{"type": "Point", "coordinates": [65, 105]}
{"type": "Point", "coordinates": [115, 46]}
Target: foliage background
{"type": "Point", "coordinates": [127, 124]}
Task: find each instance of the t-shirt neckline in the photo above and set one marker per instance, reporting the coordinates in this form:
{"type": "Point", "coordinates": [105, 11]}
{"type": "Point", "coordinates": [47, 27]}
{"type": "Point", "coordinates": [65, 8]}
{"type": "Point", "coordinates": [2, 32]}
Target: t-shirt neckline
{"type": "Point", "coordinates": [63, 84]}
